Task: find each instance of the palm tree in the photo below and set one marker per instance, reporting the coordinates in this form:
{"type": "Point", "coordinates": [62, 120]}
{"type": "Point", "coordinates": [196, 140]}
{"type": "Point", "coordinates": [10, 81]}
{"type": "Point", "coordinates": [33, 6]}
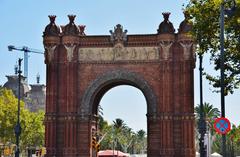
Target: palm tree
{"type": "Point", "coordinates": [210, 113]}
{"type": "Point", "coordinates": [102, 124]}
{"type": "Point", "coordinates": [118, 128]}
{"type": "Point", "coordinates": [119, 124]}
{"type": "Point", "coordinates": [141, 134]}
{"type": "Point", "coordinates": [142, 140]}
{"type": "Point", "coordinates": [125, 138]}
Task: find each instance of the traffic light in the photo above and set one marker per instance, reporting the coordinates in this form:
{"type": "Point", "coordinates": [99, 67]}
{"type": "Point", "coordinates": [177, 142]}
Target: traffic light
{"type": "Point", "coordinates": [44, 151]}
{"type": "Point", "coordinates": [94, 142]}
{"type": "Point", "coordinates": [98, 147]}
{"type": "Point", "coordinates": [7, 151]}
{"type": "Point", "coordinates": [40, 152]}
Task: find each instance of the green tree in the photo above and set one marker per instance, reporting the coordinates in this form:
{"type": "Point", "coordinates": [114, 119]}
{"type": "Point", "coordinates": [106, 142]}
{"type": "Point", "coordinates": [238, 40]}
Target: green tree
{"type": "Point", "coordinates": [8, 118]}
{"type": "Point", "coordinates": [33, 134]}
{"type": "Point", "coordinates": [118, 129]}
{"type": "Point", "coordinates": [125, 139]}
{"type": "Point", "coordinates": [142, 141]}
{"type": "Point", "coordinates": [31, 123]}
{"type": "Point", "coordinates": [121, 137]}
{"type": "Point", "coordinates": [233, 142]}
{"type": "Point", "coordinates": [210, 112]}
{"type": "Point", "coordinates": [102, 124]}
{"type": "Point", "coordinates": [119, 124]}
{"type": "Point", "coordinates": [141, 134]}
{"type": "Point", "coordinates": [205, 15]}
{"type": "Point", "coordinates": [104, 134]}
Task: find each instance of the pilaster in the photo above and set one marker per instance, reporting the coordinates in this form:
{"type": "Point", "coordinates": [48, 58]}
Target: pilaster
{"type": "Point", "coordinates": [70, 120]}
{"type": "Point", "coordinates": [50, 135]}
{"type": "Point", "coordinates": [84, 136]}
{"type": "Point", "coordinates": [51, 44]}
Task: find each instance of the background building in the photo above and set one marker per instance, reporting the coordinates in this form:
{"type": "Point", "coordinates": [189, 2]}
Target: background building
{"type": "Point", "coordinates": [34, 95]}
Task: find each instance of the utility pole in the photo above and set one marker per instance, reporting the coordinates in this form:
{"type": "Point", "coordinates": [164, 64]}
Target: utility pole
{"type": "Point", "coordinates": [18, 126]}
{"type": "Point", "coordinates": [222, 74]}
{"type": "Point", "coordinates": [230, 13]}
{"type": "Point", "coordinates": [202, 122]}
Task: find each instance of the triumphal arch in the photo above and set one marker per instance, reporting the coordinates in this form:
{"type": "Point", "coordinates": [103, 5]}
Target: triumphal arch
{"type": "Point", "coordinates": [82, 68]}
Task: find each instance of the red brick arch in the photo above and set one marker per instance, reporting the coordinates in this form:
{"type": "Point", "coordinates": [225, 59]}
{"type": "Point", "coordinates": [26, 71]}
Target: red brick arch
{"type": "Point", "coordinates": [110, 79]}
{"type": "Point", "coordinates": [81, 68]}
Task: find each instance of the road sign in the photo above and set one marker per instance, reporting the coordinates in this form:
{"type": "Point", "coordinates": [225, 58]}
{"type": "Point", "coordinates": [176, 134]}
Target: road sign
{"type": "Point", "coordinates": [222, 125]}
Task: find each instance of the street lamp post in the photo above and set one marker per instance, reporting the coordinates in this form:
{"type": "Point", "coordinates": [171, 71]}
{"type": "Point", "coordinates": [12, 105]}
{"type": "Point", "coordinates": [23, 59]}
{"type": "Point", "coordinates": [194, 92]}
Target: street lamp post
{"type": "Point", "coordinates": [202, 122]}
{"type": "Point", "coordinates": [222, 74]}
{"type": "Point", "coordinates": [230, 13]}
{"type": "Point", "coordinates": [18, 126]}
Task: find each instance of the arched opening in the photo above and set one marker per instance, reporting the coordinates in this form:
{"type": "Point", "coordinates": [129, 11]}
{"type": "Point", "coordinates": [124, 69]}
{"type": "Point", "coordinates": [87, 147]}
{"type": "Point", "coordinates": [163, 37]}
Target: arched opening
{"type": "Point", "coordinates": [104, 83]}
{"type": "Point", "coordinates": [122, 122]}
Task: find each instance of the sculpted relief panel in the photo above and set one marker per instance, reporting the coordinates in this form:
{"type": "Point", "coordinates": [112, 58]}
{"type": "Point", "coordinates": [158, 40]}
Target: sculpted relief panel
{"type": "Point", "coordinates": [119, 53]}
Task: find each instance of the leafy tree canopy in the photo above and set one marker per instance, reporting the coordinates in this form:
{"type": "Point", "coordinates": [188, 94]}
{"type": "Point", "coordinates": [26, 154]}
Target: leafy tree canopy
{"type": "Point", "coordinates": [121, 137]}
{"type": "Point", "coordinates": [205, 15]}
{"type": "Point", "coordinates": [32, 133]}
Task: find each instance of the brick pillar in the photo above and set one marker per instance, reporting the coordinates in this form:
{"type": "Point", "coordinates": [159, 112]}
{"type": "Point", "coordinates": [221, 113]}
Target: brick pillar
{"type": "Point", "coordinates": [51, 44]}
{"type": "Point", "coordinates": [70, 138]}
{"type": "Point", "coordinates": [188, 146]}
{"type": "Point", "coordinates": [166, 136]}
{"type": "Point", "coordinates": [50, 135]}
{"type": "Point", "coordinates": [62, 102]}
{"type": "Point", "coordinates": [188, 121]}
{"type": "Point", "coordinates": [184, 121]}
{"type": "Point", "coordinates": [153, 136]}
{"type": "Point", "coordinates": [160, 136]}
{"type": "Point", "coordinates": [84, 135]}
{"type": "Point", "coordinates": [70, 135]}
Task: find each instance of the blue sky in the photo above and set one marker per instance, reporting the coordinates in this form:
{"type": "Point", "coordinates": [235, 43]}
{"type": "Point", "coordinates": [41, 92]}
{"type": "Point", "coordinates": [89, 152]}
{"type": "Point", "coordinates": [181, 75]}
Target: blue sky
{"type": "Point", "coordinates": [24, 21]}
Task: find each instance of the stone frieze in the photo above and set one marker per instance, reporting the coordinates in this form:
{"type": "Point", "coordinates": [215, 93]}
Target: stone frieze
{"type": "Point", "coordinates": [119, 54]}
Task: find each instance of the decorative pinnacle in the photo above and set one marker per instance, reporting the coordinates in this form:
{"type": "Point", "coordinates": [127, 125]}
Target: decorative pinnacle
{"type": "Point", "coordinates": [166, 15]}
{"type": "Point", "coordinates": [82, 27]}
{"type": "Point", "coordinates": [52, 18]}
{"type": "Point", "coordinates": [71, 18]}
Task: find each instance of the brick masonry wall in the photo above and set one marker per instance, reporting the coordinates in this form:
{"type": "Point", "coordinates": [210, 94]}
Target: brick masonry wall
{"type": "Point", "coordinates": [75, 87]}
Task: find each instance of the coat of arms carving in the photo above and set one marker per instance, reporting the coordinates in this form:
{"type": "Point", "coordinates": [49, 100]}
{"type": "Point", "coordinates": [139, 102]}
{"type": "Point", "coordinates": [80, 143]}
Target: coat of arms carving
{"type": "Point", "coordinates": [118, 36]}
